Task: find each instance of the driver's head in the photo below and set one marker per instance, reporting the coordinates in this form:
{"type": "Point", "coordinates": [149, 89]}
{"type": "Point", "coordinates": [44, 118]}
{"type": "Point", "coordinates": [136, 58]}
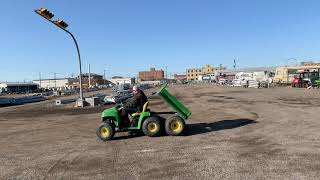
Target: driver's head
{"type": "Point", "coordinates": [135, 89]}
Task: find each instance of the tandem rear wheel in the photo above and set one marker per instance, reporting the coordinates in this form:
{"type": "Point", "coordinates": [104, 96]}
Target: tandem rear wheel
{"type": "Point", "coordinates": [152, 126]}
{"type": "Point", "coordinates": [175, 125]}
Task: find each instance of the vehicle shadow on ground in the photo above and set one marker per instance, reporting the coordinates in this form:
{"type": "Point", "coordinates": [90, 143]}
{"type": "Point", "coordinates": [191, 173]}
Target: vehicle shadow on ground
{"type": "Point", "coordinates": [202, 128]}
{"type": "Point", "coordinates": [123, 137]}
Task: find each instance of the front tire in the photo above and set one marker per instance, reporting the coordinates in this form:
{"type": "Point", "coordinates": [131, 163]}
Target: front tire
{"type": "Point", "coordinates": [105, 131]}
{"type": "Point", "coordinates": [151, 126]}
{"type": "Point", "coordinates": [175, 125]}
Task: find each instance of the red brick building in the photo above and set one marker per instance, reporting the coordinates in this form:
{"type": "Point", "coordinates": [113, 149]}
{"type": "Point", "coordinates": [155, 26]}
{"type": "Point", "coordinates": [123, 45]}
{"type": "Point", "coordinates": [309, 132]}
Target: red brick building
{"type": "Point", "coordinates": [179, 76]}
{"type": "Point", "coordinates": [151, 75]}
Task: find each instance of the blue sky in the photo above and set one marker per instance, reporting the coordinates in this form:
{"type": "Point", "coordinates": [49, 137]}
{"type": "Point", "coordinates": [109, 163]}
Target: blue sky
{"type": "Point", "coordinates": [125, 36]}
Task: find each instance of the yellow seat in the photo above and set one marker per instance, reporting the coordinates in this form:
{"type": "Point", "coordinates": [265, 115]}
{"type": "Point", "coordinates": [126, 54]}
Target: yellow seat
{"type": "Point", "coordinates": [144, 109]}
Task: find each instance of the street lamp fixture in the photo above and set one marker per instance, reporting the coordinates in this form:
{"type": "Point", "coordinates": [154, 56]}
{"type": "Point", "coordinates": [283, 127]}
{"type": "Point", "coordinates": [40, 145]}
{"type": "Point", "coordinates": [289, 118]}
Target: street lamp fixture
{"type": "Point", "coordinates": [63, 25]}
{"type": "Point", "coordinates": [60, 23]}
{"type": "Point", "coordinates": [44, 13]}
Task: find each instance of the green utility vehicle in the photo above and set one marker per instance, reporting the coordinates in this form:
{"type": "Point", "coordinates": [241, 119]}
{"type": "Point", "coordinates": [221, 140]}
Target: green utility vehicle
{"type": "Point", "coordinates": [317, 83]}
{"type": "Point", "coordinates": [146, 121]}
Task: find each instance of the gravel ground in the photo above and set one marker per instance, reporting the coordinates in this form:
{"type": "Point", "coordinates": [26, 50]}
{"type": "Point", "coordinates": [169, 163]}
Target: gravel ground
{"type": "Point", "coordinates": [234, 133]}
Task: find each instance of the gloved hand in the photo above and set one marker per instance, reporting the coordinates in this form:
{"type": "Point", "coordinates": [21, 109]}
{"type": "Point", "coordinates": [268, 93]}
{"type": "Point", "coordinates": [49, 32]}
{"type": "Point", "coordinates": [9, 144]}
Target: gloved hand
{"type": "Point", "coordinates": [119, 106]}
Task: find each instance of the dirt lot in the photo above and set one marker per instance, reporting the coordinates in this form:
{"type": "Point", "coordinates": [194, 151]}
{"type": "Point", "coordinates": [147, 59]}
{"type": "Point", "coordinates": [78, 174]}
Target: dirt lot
{"type": "Point", "coordinates": [234, 133]}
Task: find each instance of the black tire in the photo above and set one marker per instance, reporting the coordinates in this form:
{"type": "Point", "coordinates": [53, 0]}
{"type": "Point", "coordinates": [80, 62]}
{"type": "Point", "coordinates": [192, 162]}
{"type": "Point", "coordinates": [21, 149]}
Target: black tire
{"type": "Point", "coordinates": [175, 125]}
{"type": "Point", "coordinates": [105, 131]}
{"type": "Point", "coordinates": [152, 126]}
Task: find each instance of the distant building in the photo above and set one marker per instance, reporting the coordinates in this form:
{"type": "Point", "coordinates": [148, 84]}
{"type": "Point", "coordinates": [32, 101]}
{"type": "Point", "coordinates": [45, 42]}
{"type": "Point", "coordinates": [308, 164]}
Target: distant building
{"type": "Point", "coordinates": [151, 75]}
{"type": "Point", "coordinates": [193, 73]}
{"type": "Point", "coordinates": [179, 76]}
{"type": "Point", "coordinates": [18, 87]}
{"type": "Point", "coordinates": [309, 63]}
{"type": "Point", "coordinates": [154, 83]}
{"type": "Point", "coordinates": [95, 79]}
{"type": "Point", "coordinates": [59, 83]}
{"type": "Point", "coordinates": [243, 74]}
{"type": "Point", "coordinates": [211, 77]}
{"type": "Point", "coordinates": [118, 80]}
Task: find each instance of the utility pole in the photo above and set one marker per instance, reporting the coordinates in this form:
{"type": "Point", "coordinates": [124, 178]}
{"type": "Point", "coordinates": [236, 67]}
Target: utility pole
{"type": "Point", "coordinates": [40, 79]}
{"type": "Point", "coordinates": [55, 81]}
{"type": "Point", "coordinates": [166, 72]}
{"type": "Point", "coordinates": [89, 81]}
{"type": "Point", "coordinates": [104, 76]}
{"type": "Point", "coordinates": [234, 64]}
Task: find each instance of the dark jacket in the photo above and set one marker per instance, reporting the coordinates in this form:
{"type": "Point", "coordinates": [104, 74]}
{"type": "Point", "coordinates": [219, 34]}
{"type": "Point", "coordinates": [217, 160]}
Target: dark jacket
{"type": "Point", "coordinates": [137, 101]}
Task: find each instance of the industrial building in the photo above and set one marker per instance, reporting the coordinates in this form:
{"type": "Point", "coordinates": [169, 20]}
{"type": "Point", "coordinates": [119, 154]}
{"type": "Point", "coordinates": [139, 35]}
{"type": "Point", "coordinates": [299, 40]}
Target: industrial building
{"type": "Point", "coordinates": [69, 83]}
{"type": "Point", "coordinates": [59, 83]}
{"type": "Point", "coordinates": [210, 77]}
{"type": "Point", "coordinates": [179, 77]}
{"type": "Point", "coordinates": [95, 80]}
{"type": "Point", "coordinates": [151, 75]}
{"type": "Point", "coordinates": [230, 74]}
{"type": "Point", "coordinates": [6, 87]}
{"type": "Point", "coordinates": [193, 73]}
{"type": "Point", "coordinates": [118, 80]}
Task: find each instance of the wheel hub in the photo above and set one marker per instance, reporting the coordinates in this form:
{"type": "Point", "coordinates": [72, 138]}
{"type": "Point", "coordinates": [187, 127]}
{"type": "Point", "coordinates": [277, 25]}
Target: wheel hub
{"type": "Point", "coordinates": [176, 126]}
{"type": "Point", "coordinates": [104, 132]}
{"type": "Point", "coordinates": [152, 127]}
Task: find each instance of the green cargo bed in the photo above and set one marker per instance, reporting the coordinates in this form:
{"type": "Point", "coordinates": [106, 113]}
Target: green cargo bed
{"type": "Point", "coordinates": [173, 102]}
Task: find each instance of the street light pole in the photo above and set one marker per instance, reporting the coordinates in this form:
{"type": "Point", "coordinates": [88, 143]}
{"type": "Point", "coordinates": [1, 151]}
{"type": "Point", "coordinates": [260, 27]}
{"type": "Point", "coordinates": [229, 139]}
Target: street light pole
{"type": "Point", "coordinates": [79, 61]}
{"type": "Point", "coordinates": [62, 25]}
{"type": "Point", "coordinates": [89, 81]}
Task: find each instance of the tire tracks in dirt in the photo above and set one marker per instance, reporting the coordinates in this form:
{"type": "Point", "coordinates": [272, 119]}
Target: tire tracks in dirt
{"type": "Point", "coordinates": [50, 126]}
{"type": "Point", "coordinates": [63, 162]}
{"type": "Point", "coordinates": [134, 169]}
{"type": "Point", "coordinates": [116, 151]}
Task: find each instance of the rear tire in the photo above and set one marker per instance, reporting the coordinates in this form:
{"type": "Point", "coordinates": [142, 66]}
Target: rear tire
{"type": "Point", "coordinates": [105, 131]}
{"type": "Point", "coordinates": [175, 125]}
{"type": "Point", "coordinates": [152, 126]}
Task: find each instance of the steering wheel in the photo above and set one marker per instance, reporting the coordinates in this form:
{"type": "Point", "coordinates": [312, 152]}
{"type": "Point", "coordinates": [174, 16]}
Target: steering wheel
{"type": "Point", "coordinates": [119, 105]}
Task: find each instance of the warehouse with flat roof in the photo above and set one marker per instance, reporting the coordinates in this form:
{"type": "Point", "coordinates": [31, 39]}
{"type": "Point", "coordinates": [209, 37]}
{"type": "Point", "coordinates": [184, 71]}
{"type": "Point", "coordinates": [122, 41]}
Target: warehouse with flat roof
{"type": "Point", "coordinates": [59, 83]}
{"type": "Point", "coordinates": [6, 87]}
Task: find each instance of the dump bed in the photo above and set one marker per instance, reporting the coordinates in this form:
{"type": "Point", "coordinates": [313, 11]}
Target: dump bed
{"type": "Point", "coordinates": [172, 101]}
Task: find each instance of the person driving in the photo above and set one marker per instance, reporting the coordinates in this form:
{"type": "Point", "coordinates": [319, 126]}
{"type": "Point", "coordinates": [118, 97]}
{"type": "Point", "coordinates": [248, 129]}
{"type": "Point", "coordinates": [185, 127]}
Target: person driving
{"type": "Point", "coordinates": [134, 104]}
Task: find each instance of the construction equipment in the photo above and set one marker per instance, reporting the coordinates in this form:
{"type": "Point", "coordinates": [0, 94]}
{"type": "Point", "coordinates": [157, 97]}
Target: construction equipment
{"type": "Point", "coordinates": [306, 78]}
{"type": "Point", "coordinates": [146, 121]}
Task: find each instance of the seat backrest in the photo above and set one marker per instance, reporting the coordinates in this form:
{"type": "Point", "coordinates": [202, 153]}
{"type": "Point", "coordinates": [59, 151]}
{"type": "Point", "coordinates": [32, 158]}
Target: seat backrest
{"type": "Point", "coordinates": [145, 106]}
